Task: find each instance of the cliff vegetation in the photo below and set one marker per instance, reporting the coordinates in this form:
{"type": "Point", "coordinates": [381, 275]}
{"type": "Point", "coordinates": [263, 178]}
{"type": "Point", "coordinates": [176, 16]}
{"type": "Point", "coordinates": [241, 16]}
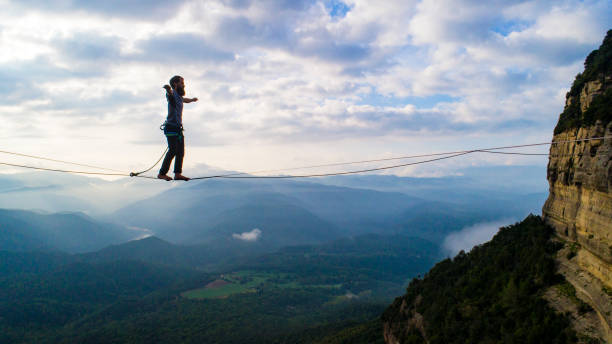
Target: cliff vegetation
{"type": "Point", "coordinates": [597, 66]}
{"type": "Point", "coordinates": [490, 295]}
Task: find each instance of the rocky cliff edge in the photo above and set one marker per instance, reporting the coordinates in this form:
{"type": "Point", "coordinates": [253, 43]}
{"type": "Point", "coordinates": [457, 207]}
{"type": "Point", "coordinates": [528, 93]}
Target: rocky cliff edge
{"type": "Point", "coordinates": [579, 205]}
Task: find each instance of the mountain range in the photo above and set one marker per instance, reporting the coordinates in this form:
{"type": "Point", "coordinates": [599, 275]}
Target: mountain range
{"type": "Point", "coordinates": [68, 232]}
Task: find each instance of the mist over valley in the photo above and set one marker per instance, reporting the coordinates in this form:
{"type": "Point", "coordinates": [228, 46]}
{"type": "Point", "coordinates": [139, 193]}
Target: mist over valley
{"type": "Point", "coordinates": [342, 246]}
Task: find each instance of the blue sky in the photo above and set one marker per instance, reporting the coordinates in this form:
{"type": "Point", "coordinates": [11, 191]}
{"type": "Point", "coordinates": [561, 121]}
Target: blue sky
{"type": "Point", "coordinates": [337, 8]}
{"type": "Point", "coordinates": [287, 83]}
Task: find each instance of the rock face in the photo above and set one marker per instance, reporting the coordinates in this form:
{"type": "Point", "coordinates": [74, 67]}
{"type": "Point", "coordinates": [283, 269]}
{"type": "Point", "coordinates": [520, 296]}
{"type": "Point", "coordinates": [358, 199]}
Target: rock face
{"type": "Point", "coordinates": [409, 321]}
{"type": "Point", "coordinates": [579, 205]}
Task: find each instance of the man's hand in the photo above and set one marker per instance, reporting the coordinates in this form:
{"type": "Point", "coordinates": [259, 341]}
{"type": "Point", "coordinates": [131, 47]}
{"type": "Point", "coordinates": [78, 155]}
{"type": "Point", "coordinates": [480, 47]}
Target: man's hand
{"type": "Point", "coordinates": [168, 89]}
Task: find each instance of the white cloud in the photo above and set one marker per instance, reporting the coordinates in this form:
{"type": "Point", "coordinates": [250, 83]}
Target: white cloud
{"type": "Point", "coordinates": [253, 235]}
{"type": "Point", "coordinates": [285, 77]}
{"type": "Point", "coordinates": [468, 237]}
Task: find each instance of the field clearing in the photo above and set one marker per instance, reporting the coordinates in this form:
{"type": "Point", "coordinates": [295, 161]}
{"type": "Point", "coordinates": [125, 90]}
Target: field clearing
{"type": "Point", "coordinates": [216, 284]}
{"type": "Point", "coordinates": [242, 282]}
{"type": "Point", "coordinates": [217, 293]}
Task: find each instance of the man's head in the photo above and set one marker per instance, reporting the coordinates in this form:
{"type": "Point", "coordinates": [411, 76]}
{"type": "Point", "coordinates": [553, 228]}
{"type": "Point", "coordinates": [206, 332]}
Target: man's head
{"type": "Point", "coordinates": [178, 83]}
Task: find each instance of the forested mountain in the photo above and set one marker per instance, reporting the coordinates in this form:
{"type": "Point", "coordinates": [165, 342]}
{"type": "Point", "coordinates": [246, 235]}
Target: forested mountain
{"type": "Point", "coordinates": [68, 232]}
{"type": "Point", "coordinates": [35, 305]}
{"type": "Point", "coordinates": [297, 295]}
{"type": "Point", "coordinates": [27, 262]}
{"type": "Point", "coordinates": [290, 259]}
{"type": "Point", "coordinates": [155, 251]}
{"type": "Point", "coordinates": [492, 294]}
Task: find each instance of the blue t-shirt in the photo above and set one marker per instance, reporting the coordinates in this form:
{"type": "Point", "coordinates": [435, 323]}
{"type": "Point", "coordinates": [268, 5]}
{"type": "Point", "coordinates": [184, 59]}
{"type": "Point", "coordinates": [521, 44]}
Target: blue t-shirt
{"type": "Point", "coordinates": [175, 109]}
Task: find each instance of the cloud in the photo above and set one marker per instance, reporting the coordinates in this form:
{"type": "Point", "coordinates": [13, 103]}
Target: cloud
{"type": "Point", "coordinates": [248, 236]}
{"type": "Point", "coordinates": [21, 81]}
{"type": "Point", "coordinates": [244, 32]}
{"type": "Point", "coordinates": [468, 237]}
{"type": "Point", "coordinates": [180, 48]}
{"type": "Point", "coordinates": [89, 46]}
{"type": "Point", "coordinates": [91, 102]}
{"type": "Point", "coordinates": [333, 51]}
{"type": "Point", "coordinates": [151, 9]}
{"type": "Point", "coordinates": [293, 76]}
{"type": "Point", "coordinates": [297, 27]}
{"type": "Point", "coordinates": [239, 4]}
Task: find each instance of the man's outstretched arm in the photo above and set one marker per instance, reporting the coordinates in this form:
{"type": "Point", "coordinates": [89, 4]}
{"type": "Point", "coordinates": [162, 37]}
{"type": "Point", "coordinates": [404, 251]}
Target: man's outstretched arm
{"type": "Point", "coordinates": [189, 100]}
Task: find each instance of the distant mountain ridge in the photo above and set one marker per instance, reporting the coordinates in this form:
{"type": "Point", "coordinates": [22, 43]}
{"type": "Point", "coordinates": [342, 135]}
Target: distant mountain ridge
{"type": "Point", "coordinates": [217, 209]}
{"type": "Point", "coordinates": [53, 193]}
{"type": "Point", "coordinates": [154, 250]}
{"type": "Point", "coordinates": [69, 232]}
{"type": "Point", "coordinates": [150, 250]}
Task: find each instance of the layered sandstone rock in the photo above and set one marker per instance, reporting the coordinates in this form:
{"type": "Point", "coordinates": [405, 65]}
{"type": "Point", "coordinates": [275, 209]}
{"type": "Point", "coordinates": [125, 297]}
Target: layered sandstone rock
{"type": "Point", "coordinates": [579, 206]}
{"type": "Point", "coordinates": [580, 202]}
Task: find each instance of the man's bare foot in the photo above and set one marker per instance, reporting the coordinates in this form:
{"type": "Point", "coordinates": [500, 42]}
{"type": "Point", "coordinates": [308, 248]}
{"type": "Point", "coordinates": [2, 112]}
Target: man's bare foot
{"type": "Point", "coordinates": [178, 176]}
{"type": "Point", "coordinates": [164, 177]}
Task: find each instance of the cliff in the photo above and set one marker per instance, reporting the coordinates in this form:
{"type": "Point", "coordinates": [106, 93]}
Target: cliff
{"type": "Point", "coordinates": [544, 280]}
{"type": "Point", "coordinates": [579, 205]}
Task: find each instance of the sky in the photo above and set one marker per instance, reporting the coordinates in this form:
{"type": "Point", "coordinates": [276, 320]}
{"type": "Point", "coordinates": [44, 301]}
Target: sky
{"type": "Point", "coordinates": [289, 83]}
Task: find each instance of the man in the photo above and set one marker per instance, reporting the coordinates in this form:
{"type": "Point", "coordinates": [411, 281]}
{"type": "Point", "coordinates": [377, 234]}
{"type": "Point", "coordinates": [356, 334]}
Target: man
{"type": "Point", "coordinates": [173, 128]}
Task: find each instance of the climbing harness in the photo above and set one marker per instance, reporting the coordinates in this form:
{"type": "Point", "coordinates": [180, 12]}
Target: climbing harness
{"type": "Point", "coordinates": [170, 129]}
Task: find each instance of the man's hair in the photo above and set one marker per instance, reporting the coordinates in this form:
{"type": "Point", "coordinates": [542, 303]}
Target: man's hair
{"type": "Point", "coordinates": [174, 80]}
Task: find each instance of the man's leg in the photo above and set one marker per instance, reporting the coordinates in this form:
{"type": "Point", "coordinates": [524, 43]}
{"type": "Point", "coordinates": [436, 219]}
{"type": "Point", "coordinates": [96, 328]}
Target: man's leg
{"type": "Point", "coordinates": [172, 150]}
{"type": "Point", "coordinates": [178, 162]}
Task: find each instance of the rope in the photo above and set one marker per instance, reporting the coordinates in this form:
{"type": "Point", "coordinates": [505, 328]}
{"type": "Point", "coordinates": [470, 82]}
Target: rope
{"type": "Point", "coordinates": [121, 173]}
{"type": "Point", "coordinates": [519, 153]}
{"type": "Point", "coordinates": [135, 174]}
{"type": "Point", "coordinates": [65, 171]}
{"type": "Point", "coordinates": [60, 161]}
{"type": "Point", "coordinates": [246, 175]}
{"type": "Point", "coordinates": [483, 150]}
{"type": "Point", "coordinates": [366, 170]}
{"type": "Point", "coordinates": [336, 173]}
{"type": "Point", "coordinates": [236, 175]}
